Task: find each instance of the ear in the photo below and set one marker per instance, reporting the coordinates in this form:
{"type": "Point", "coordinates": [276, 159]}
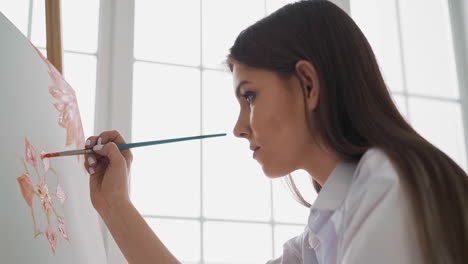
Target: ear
{"type": "Point", "coordinates": [309, 82]}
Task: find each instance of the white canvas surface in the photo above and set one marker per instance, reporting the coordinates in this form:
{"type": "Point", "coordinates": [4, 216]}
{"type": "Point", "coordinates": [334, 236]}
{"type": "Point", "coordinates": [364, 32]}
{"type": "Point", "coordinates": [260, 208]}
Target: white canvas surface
{"type": "Point", "coordinates": [38, 109]}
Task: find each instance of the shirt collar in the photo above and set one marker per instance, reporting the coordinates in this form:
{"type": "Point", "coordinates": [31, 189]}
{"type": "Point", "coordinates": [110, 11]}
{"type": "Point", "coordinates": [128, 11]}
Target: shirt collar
{"type": "Point", "coordinates": [336, 187]}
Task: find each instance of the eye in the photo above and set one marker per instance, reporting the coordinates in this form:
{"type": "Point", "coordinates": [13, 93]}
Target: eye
{"type": "Point", "coordinates": [249, 96]}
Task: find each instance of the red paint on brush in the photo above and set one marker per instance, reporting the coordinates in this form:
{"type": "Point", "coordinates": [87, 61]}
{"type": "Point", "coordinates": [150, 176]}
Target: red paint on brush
{"type": "Point", "coordinates": [50, 155]}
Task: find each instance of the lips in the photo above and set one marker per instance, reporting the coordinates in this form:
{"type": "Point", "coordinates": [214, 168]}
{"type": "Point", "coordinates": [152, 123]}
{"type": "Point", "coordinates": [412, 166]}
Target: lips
{"type": "Point", "coordinates": [253, 148]}
{"type": "Point", "coordinates": [254, 151]}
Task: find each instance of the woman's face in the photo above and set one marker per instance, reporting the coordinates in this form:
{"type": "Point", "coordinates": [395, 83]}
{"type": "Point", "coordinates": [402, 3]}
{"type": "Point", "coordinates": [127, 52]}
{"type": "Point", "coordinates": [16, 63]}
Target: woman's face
{"type": "Point", "coordinates": [272, 117]}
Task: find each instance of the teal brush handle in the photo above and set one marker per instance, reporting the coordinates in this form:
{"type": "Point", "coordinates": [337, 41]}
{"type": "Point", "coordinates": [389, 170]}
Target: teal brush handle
{"type": "Point", "coordinates": [129, 145]}
{"type": "Point", "coordinates": [164, 141]}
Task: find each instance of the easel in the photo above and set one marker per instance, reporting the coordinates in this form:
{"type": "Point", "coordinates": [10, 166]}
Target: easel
{"type": "Point", "coordinates": [54, 33]}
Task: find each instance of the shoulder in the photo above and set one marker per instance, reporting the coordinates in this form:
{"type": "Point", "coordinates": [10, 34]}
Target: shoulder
{"type": "Point", "coordinates": [374, 179]}
{"type": "Point", "coordinates": [377, 225]}
{"type": "Point", "coordinates": [375, 164]}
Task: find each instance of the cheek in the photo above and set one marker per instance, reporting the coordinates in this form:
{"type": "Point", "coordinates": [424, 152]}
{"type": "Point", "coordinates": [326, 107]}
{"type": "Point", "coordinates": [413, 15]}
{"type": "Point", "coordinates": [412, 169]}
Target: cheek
{"type": "Point", "coordinates": [280, 138]}
{"type": "Point", "coordinates": [265, 124]}
{"type": "Point", "coordinates": [275, 124]}
{"type": "Point", "coordinates": [290, 135]}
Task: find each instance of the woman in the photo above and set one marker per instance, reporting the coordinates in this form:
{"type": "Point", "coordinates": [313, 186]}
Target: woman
{"type": "Point", "coordinates": [312, 97]}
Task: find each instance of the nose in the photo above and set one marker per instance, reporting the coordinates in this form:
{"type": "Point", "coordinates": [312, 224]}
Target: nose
{"type": "Point", "coordinates": [242, 127]}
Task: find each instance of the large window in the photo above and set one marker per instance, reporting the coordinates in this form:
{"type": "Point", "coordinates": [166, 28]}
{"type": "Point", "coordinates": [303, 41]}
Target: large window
{"type": "Point", "coordinates": [208, 200]}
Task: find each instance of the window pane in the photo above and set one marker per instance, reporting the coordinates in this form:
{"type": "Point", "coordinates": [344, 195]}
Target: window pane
{"type": "Point", "coordinates": [38, 26]}
{"type": "Point", "coordinates": [223, 20]}
{"type": "Point", "coordinates": [283, 233]}
{"type": "Point", "coordinates": [80, 73]}
{"type": "Point", "coordinates": [220, 106]}
{"type": "Point", "coordinates": [166, 32]}
{"type": "Point", "coordinates": [166, 101]}
{"type": "Point", "coordinates": [285, 207]}
{"type": "Point", "coordinates": [428, 48]}
{"type": "Point", "coordinates": [182, 237]}
{"type": "Point", "coordinates": [17, 12]}
{"type": "Point", "coordinates": [78, 34]}
{"type": "Point", "coordinates": [237, 242]}
{"type": "Point", "coordinates": [399, 101]}
{"type": "Point", "coordinates": [160, 185]}
{"type": "Point", "coordinates": [378, 21]}
{"type": "Point", "coordinates": [224, 178]}
{"type": "Point", "coordinates": [166, 106]}
{"type": "Point", "coordinates": [80, 25]}
{"type": "Point", "coordinates": [441, 124]}
{"type": "Point", "coordinates": [234, 184]}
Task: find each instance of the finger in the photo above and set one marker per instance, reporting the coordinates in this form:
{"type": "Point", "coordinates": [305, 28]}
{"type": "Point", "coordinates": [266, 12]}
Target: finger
{"type": "Point", "coordinates": [98, 169]}
{"type": "Point", "coordinates": [110, 151]}
{"type": "Point", "coordinates": [95, 179]}
{"type": "Point", "coordinates": [90, 142]}
{"type": "Point", "coordinates": [112, 136]}
{"type": "Point", "coordinates": [90, 170]}
{"type": "Point", "coordinates": [85, 165]}
{"type": "Point", "coordinates": [117, 138]}
{"type": "Point", "coordinates": [92, 161]}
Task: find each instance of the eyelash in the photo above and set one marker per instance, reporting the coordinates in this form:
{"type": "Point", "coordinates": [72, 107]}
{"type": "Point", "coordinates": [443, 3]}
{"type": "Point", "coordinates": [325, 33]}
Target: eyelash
{"type": "Point", "coordinates": [247, 95]}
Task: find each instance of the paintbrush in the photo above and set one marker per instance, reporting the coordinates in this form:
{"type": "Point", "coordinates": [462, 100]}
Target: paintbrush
{"type": "Point", "coordinates": [127, 146]}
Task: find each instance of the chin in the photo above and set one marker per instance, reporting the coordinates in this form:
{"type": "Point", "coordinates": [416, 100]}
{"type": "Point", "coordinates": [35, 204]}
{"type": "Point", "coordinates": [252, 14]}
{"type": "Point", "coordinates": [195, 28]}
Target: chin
{"type": "Point", "coordinates": [275, 172]}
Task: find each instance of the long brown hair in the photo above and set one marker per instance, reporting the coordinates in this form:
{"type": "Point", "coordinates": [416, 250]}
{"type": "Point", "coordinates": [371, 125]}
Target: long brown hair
{"type": "Point", "coordinates": [355, 112]}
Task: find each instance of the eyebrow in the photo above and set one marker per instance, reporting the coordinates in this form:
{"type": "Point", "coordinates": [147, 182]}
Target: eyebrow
{"type": "Point", "coordinates": [239, 85]}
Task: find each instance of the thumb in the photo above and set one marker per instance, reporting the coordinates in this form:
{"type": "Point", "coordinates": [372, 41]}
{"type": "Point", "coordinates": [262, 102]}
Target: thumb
{"type": "Point", "coordinates": [111, 151]}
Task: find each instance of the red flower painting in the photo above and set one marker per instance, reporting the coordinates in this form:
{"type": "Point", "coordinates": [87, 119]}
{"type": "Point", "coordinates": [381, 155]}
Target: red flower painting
{"type": "Point", "coordinates": [67, 106]}
{"type": "Point", "coordinates": [50, 194]}
{"type": "Point", "coordinates": [45, 196]}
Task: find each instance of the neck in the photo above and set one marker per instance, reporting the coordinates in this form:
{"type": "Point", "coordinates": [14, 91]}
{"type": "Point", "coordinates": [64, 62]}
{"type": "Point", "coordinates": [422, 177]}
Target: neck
{"type": "Point", "coordinates": [320, 165]}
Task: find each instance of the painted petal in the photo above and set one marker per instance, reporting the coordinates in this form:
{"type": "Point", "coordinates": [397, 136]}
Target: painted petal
{"type": "Point", "coordinates": [66, 98]}
{"type": "Point", "coordinates": [30, 153]}
{"type": "Point", "coordinates": [44, 196]}
{"type": "Point", "coordinates": [62, 228]}
{"type": "Point", "coordinates": [66, 87]}
{"type": "Point", "coordinates": [45, 162]}
{"type": "Point", "coordinates": [61, 194]}
{"type": "Point", "coordinates": [55, 91]}
{"type": "Point", "coordinates": [56, 77]}
{"type": "Point", "coordinates": [64, 118]}
{"type": "Point", "coordinates": [80, 141]}
{"type": "Point", "coordinates": [52, 237]}
{"type": "Point", "coordinates": [27, 188]}
{"type": "Point", "coordinates": [70, 134]}
{"type": "Point", "coordinates": [59, 106]}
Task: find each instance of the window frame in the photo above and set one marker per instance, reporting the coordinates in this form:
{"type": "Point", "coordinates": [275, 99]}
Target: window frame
{"type": "Point", "coordinates": [114, 81]}
{"type": "Point", "coordinates": [458, 11]}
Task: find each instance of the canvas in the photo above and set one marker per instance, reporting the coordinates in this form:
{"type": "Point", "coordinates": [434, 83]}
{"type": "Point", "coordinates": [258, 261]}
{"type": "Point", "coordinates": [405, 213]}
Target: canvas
{"type": "Point", "coordinates": [46, 213]}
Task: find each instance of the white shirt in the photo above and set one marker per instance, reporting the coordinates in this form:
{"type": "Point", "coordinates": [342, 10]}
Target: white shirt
{"type": "Point", "coordinates": [361, 215]}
